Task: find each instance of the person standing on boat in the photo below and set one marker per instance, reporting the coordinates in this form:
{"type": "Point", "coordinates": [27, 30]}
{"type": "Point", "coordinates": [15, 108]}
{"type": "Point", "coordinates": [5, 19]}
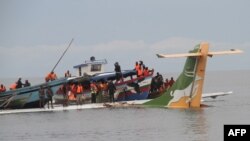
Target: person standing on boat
{"type": "Point", "coordinates": [171, 82]}
{"type": "Point", "coordinates": [41, 97]}
{"type": "Point", "coordinates": [79, 94]}
{"type": "Point", "coordinates": [19, 83]}
{"type": "Point", "coordinates": [50, 95]}
{"type": "Point", "coordinates": [93, 89]}
{"type": "Point", "coordinates": [118, 72]}
{"type": "Point", "coordinates": [167, 84]}
{"type": "Point", "coordinates": [67, 74]}
{"type": "Point", "coordinates": [26, 84]}
{"type": "Point", "coordinates": [111, 91]}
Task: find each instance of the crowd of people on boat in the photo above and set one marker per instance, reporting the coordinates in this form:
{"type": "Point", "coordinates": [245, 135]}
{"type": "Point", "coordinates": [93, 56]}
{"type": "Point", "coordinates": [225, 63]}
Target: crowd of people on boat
{"type": "Point", "coordinates": [141, 69]}
{"type": "Point", "coordinates": [77, 91]}
{"type": "Point", "coordinates": [158, 84]}
{"type": "Point", "coordinates": [18, 84]}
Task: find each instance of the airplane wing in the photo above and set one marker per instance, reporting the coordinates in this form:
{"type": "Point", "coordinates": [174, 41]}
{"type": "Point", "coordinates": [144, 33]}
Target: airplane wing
{"type": "Point", "coordinates": [214, 95]}
{"type": "Point", "coordinates": [232, 51]}
{"type": "Point", "coordinates": [178, 55]}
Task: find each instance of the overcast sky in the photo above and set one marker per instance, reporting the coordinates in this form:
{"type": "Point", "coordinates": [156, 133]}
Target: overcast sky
{"type": "Point", "coordinates": [34, 33]}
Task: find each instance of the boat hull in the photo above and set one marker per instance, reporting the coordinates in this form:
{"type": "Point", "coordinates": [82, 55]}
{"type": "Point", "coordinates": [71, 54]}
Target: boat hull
{"type": "Point", "coordinates": [27, 97]}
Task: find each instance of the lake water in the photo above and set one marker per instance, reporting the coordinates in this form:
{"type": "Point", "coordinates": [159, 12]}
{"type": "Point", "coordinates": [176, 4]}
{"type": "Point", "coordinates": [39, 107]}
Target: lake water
{"type": "Point", "coordinates": [145, 124]}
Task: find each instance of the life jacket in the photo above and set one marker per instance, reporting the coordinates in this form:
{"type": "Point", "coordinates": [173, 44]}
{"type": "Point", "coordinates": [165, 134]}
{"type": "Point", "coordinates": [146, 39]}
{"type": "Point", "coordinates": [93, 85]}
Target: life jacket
{"type": "Point", "coordinates": [13, 86]}
{"type": "Point", "coordinates": [137, 67]}
{"type": "Point", "coordinates": [79, 89]}
{"type": "Point", "coordinates": [145, 72]}
{"type": "Point", "coordinates": [139, 72]}
{"type": "Point", "coordinates": [50, 76]}
{"type": "Point", "coordinates": [71, 96]}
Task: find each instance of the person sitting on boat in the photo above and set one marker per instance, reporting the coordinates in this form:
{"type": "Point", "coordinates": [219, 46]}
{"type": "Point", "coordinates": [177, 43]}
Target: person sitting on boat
{"type": "Point", "coordinates": [50, 95]}
{"type": "Point", "coordinates": [146, 71]}
{"type": "Point", "coordinates": [19, 83]}
{"type": "Point", "coordinates": [118, 72]}
{"type": "Point", "coordinates": [67, 74]}
{"type": "Point", "coordinates": [26, 84]}
{"type": "Point", "coordinates": [51, 76]}
{"type": "Point", "coordinates": [41, 97]}
{"type": "Point", "coordinates": [2, 88]}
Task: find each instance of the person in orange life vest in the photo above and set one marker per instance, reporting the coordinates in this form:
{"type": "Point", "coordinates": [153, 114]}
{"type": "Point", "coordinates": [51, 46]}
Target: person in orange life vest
{"type": "Point", "coordinates": [136, 66]}
{"type": "Point", "coordinates": [140, 71]}
{"type": "Point", "coordinates": [79, 94]}
{"type": "Point", "coordinates": [2, 88]}
{"type": "Point", "coordinates": [50, 77]}
{"type": "Point", "coordinates": [13, 86]}
{"type": "Point", "coordinates": [72, 92]}
{"type": "Point", "coordinates": [146, 71]}
{"type": "Point", "coordinates": [67, 74]}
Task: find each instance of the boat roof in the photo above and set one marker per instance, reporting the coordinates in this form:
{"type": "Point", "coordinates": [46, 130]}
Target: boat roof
{"type": "Point", "coordinates": [87, 62]}
{"type": "Point", "coordinates": [112, 75]}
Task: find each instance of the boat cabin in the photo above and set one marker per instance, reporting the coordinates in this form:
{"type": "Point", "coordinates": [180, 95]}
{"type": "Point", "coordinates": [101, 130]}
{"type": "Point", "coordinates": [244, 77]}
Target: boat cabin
{"type": "Point", "coordinates": [90, 67]}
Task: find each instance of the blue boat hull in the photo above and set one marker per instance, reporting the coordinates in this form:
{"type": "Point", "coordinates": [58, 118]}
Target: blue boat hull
{"type": "Point", "coordinates": [27, 97]}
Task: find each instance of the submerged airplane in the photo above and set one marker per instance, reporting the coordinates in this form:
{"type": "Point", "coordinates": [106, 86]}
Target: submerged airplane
{"type": "Point", "coordinates": [186, 92]}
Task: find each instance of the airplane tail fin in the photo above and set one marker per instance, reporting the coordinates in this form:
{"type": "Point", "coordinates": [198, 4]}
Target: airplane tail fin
{"type": "Point", "coordinates": [187, 90]}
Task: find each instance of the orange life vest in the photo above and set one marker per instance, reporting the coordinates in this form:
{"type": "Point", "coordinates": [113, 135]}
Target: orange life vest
{"type": "Point", "coordinates": [50, 76]}
{"type": "Point", "coordinates": [79, 89]}
{"type": "Point", "coordinates": [139, 72]}
{"type": "Point", "coordinates": [13, 86]}
{"type": "Point", "coordinates": [146, 72]}
{"type": "Point", "coordinates": [137, 67]}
